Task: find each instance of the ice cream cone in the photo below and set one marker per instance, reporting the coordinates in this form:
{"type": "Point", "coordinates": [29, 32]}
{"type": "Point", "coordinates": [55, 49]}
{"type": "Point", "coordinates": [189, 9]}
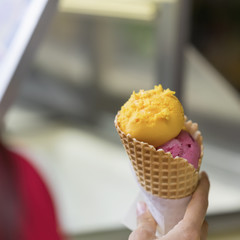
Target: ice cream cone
{"type": "Point", "coordinates": [157, 171]}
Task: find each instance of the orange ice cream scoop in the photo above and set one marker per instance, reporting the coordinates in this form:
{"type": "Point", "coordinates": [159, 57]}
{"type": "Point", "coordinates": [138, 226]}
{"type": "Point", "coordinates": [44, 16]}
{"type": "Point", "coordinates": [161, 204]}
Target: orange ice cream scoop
{"type": "Point", "coordinates": [154, 116]}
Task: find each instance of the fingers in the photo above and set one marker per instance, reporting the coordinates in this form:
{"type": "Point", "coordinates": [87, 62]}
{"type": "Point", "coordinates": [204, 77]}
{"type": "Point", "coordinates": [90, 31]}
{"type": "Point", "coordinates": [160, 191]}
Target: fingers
{"type": "Point", "coordinates": [146, 227]}
{"type": "Point", "coordinates": [191, 227]}
{"type": "Point", "coordinates": [204, 231]}
{"type": "Point", "coordinates": [197, 208]}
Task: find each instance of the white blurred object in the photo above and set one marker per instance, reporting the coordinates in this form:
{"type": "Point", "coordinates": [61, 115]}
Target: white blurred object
{"type": "Point", "coordinates": [21, 25]}
{"type": "Point", "coordinates": [166, 212]}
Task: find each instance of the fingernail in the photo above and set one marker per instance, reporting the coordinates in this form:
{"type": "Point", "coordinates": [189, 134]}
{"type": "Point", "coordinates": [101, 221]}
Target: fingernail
{"type": "Point", "coordinates": [141, 208]}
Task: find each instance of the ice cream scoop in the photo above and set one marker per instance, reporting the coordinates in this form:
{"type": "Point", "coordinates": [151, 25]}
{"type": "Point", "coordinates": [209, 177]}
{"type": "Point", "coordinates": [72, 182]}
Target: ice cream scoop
{"type": "Point", "coordinates": [154, 116]}
{"type": "Point", "coordinates": [183, 146]}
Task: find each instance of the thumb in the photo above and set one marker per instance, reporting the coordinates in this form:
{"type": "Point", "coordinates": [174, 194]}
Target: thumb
{"type": "Point", "coordinates": [146, 225]}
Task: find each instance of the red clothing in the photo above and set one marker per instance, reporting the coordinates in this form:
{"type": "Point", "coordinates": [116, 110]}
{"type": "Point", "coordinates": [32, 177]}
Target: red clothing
{"type": "Point", "coordinates": [39, 221]}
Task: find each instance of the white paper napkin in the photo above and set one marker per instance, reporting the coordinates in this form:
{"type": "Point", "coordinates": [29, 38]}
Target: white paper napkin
{"type": "Point", "coordinates": [166, 212]}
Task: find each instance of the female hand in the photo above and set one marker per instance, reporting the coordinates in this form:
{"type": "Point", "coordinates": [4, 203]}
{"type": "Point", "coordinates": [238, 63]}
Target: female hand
{"type": "Point", "coordinates": [193, 225]}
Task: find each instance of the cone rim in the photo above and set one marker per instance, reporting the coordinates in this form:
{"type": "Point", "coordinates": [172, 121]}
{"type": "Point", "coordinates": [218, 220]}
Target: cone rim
{"type": "Point", "coordinates": [169, 154]}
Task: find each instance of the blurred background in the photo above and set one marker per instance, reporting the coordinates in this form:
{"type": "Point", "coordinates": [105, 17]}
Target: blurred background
{"type": "Point", "coordinates": [90, 59]}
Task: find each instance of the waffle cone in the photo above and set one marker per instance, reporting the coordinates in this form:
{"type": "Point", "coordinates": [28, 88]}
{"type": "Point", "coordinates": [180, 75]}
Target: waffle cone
{"type": "Point", "coordinates": [157, 171]}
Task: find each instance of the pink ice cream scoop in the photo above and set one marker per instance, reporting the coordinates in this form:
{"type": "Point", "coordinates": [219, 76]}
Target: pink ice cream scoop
{"type": "Point", "coordinates": [183, 146]}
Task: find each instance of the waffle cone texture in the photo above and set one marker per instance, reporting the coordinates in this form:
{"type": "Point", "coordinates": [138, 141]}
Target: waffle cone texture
{"type": "Point", "coordinates": [157, 171]}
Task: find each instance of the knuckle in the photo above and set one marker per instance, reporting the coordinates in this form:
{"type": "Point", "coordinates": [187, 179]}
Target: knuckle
{"type": "Point", "coordinates": [141, 233]}
{"type": "Point", "coordinates": [205, 203]}
{"type": "Point", "coordinates": [191, 233]}
{"type": "Point", "coordinates": [205, 225]}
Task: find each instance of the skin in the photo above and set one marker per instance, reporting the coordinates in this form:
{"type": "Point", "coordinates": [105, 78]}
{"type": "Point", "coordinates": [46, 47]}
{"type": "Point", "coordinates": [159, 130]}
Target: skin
{"type": "Point", "coordinates": [193, 226]}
